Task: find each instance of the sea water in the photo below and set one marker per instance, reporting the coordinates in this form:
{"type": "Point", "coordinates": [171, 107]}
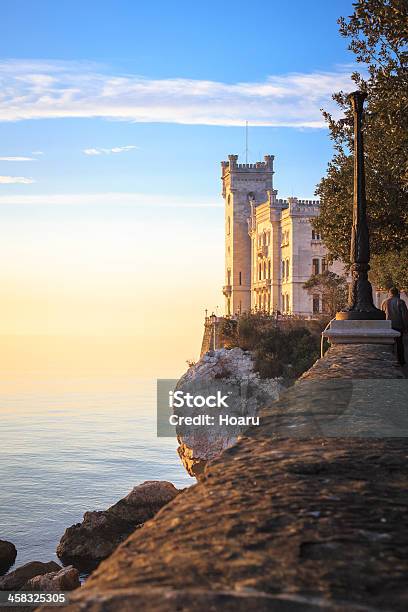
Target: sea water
{"type": "Point", "coordinates": [72, 445]}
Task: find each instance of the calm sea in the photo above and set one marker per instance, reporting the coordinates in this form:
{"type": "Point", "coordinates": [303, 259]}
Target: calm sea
{"type": "Point", "coordinates": [68, 446]}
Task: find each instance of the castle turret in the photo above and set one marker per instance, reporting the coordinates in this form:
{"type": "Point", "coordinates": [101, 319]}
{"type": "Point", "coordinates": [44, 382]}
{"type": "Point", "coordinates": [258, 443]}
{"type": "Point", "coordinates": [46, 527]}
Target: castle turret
{"type": "Point", "coordinates": [243, 185]}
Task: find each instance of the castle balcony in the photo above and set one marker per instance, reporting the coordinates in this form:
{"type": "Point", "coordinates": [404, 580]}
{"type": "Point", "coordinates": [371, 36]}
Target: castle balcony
{"type": "Point", "coordinates": [262, 284]}
{"type": "Point", "coordinates": [262, 251]}
{"type": "Point", "coordinates": [227, 290]}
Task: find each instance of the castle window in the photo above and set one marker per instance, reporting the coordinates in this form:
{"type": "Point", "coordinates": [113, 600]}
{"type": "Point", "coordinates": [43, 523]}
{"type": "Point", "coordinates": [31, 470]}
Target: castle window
{"type": "Point", "coordinates": [316, 304]}
{"type": "Point", "coordinates": [228, 226]}
{"type": "Point", "coordinates": [324, 265]}
{"type": "Point", "coordinates": [283, 270]}
{"type": "Point", "coordinates": [240, 278]}
{"type": "Point", "coordinates": [287, 268]}
{"type": "Point", "coordinates": [315, 266]}
{"type": "Point", "coordinates": [269, 268]}
{"type": "Point", "coordinates": [313, 235]}
{"type": "Point", "coordinates": [264, 269]}
{"type": "Point", "coordinates": [260, 271]}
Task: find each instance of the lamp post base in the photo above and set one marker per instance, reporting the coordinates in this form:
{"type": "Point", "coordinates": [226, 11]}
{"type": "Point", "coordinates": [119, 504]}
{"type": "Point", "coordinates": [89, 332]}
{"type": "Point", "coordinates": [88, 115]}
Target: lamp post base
{"type": "Point", "coordinates": [360, 332]}
{"type": "Point", "coordinates": [359, 315]}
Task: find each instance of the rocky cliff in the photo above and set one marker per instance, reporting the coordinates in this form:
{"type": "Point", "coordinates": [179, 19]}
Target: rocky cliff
{"type": "Point", "coordinates": [233, 372]}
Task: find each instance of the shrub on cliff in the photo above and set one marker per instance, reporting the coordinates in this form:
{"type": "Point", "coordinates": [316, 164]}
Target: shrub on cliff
{"type": "Point", "coordinates": [286, 349]}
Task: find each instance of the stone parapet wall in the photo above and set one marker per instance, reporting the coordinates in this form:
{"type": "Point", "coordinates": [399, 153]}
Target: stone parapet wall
{"type": "Point", "coordinates": [288, 519]}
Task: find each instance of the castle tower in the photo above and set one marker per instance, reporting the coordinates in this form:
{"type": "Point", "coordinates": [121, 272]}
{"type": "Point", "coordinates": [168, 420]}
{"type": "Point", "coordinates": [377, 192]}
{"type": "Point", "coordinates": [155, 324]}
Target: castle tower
{"type": "Point", "coordinates": [243, 187]}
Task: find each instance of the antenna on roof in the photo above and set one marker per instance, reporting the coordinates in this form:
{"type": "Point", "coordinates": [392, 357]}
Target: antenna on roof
{"type": "Point", "coordinates": [246, 142]}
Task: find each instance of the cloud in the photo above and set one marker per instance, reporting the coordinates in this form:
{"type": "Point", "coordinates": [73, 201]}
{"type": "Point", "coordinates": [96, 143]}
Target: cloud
{"type": "Point", "coordinates": [56, 89]}
{"type": "Point", "coordinates": [37, 153]}
{"type": "Point", "coordinates": [10, 180]}
{"type": "Point", "coordinates": [146, 200]}
{"type": "Point", "coordinates": [100, 151]}
{"type": "Point", "coordinates": [17, 159]}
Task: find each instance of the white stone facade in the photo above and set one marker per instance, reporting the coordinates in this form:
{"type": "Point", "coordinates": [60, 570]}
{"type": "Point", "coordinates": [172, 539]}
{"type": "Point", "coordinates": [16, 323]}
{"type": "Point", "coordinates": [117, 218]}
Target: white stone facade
{"type": "Point", "coordinates": [271, 249]}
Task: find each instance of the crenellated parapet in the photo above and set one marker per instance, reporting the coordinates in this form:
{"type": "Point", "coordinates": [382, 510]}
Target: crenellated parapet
{"type": "Point", "coordinates": [233, 165]}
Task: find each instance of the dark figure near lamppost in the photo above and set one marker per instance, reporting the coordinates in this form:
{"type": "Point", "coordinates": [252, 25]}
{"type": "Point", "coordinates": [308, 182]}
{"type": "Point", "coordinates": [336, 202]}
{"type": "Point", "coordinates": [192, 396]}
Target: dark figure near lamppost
{"type": "Point", "coordinates": [360, 303]}
{"type": "Point", "coordinates": [396, 311]}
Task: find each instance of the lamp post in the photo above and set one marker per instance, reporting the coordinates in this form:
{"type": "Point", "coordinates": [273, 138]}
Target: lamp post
{"type": "Point", "coordinates": [360, 304]}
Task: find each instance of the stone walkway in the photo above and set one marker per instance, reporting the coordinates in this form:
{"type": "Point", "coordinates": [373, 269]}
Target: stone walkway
{"type": "Point", "coordinates": [288, 520]}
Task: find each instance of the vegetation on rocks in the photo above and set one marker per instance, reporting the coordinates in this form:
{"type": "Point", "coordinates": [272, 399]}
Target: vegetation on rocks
{"type": "Point", "coordinates": [287, 348]}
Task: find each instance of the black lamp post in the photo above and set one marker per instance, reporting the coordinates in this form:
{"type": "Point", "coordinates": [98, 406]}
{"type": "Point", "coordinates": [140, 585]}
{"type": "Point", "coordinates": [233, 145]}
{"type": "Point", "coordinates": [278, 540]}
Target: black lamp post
{"type": "Point", "coordinates": [360, 304]}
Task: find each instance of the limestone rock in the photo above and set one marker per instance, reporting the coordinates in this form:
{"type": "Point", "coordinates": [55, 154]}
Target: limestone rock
{"type": "Point", "coordinates": [233, 372]}
{"type": "Point", "coordinates": [101, 531]}
{"type": "Point", "coordinates": [8, 553]}
{"type": "Point", "coordinates": [17, 579]}
{"type": "Point", "coordinates": [67, 579]}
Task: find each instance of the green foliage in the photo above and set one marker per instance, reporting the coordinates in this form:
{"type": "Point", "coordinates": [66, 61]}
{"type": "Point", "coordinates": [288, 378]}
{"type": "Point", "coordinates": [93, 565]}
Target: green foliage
{"type": "Point", "coordinates": [228, 332]}
{"type": "Point", "coordinates": [287, 348]}
{"type": "Point", "coordinates": [390, 271]}
{"type": "Point", "coordinates": [378, 36]}
{"type": "Point", "coordinates": [332, 289]}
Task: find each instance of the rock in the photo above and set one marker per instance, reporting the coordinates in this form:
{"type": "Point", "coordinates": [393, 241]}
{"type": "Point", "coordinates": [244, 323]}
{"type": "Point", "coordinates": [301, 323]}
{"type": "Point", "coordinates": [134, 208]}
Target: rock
{"type": "Point", "coordinates": [8, 553]}
{"type": "Point", "coordinates": [67, 579]}
{"type": "Point", "coordinates": [232, 372]}
{"type": "Point", "coordinates": [15, 580]}
{"type": "Point", "coordinates": [101, 531]}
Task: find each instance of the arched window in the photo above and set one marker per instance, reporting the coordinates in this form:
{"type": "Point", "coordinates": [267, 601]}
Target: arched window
{"type": "Point", "coordinates": [283, 270]}
{"type": "Point", "coordinates": [260, 271]}
{"type": "Point", "coordinates": [287, 268]}
{"type": "Point", "coordinates": [264, 269]}
{"type": "Point", "coordinates": [269, 268]}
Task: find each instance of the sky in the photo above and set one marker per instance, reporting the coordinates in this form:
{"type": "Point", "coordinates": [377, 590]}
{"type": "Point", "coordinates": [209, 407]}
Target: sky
{"type": "Point", "coordinates": [114, 117]}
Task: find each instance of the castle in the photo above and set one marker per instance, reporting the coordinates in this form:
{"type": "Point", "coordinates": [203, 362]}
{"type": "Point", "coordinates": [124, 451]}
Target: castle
{"type": "Point", "coordinates": [271, 249]}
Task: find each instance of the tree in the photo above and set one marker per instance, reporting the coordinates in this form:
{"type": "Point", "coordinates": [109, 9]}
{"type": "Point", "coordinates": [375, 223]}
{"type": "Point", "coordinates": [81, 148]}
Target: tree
{"type": "Point", "coordinates": [378, 35]}
{"type": "Point", "coordinates": [390, 271]}
{"type": "Point", "coordinates": [331, 288]}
